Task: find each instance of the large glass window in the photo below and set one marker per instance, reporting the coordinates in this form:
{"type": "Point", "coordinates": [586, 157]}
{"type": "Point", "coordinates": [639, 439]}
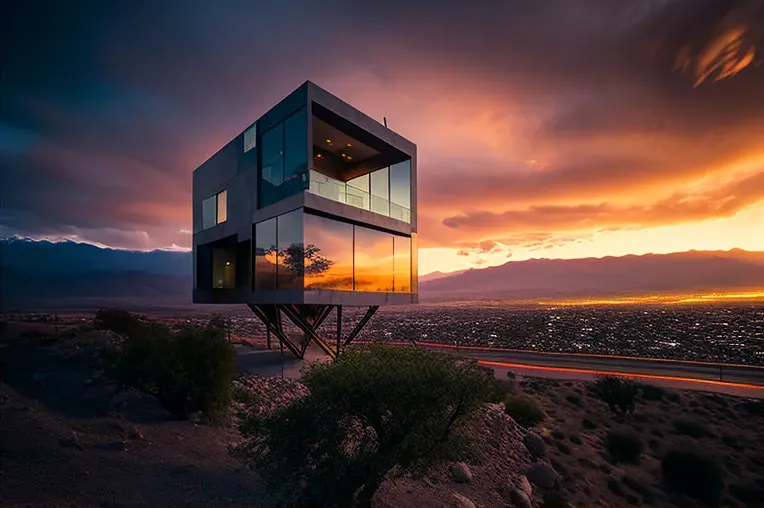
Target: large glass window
{"type": "Point", "coordinates": [209, 212]}
{"type": "Point", "coordinates": [373, 260]}
{"type": "Point", "coordinates": [402, 264]}
{"type": "Point", "coordinates": [400, 191]}
{"type": "Point", "coordinates": [222, 207]}
{"type": "Point", "coordinates": [380, 191]}
{"type": "Point", "coordinates": [223, 269]}
{"type": "Point", "coordinates": [273, 156]}
{"type": "Point", "coordinates": [295, 145]}
{"type": "Point", "coordinates": [250, 138]}
{"type": "Point", "coordinates": [328, 254]}
{"type": "Point", "coordinates": [291, 253]}
{"type": "Point", "coordinates": [265, 255]}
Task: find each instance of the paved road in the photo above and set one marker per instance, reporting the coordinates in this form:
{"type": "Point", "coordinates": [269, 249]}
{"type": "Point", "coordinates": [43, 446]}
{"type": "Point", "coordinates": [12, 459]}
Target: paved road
{"type": "Point", "coordinates": [742, 380]}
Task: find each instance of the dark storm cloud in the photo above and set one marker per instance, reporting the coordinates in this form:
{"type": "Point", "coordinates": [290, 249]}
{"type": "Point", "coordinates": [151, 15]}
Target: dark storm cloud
{"type": "Point", "coordinates": [110, 105]}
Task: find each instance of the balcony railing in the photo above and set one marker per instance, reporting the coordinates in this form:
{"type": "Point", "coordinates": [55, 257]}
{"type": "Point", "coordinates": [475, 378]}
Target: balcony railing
{"type": "Point", "coordinates": [342, 192]}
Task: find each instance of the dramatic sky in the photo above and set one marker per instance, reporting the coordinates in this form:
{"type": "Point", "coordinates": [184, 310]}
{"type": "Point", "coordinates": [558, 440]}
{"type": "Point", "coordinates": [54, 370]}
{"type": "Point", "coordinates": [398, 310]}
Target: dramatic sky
{"type": "Point", "coordinates": [545, 128]}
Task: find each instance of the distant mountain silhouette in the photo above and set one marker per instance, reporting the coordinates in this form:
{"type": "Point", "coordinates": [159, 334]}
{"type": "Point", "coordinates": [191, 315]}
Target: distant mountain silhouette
{"type": "Point", "coordinates": [651, 273]}
{"type": "Point", "coordinates": [42, 273]}
{"type": "Point", "coordinates": [439, 275]}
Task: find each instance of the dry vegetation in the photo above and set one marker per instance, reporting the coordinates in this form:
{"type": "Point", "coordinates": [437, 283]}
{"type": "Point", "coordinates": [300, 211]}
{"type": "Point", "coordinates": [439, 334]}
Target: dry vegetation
{"type": "Point", "coordinates": [69, 439]}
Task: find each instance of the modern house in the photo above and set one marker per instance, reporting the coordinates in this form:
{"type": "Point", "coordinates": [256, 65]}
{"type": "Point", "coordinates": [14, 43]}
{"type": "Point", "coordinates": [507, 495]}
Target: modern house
{"type": "Point", "coordinates": [309, 209]}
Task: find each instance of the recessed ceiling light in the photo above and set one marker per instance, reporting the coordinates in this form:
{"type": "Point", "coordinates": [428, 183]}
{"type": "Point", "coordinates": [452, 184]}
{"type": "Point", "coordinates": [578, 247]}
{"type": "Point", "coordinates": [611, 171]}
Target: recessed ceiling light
{"type": "Point", "coordinates": [349, 144]}
{"type": "Point", "coordinates": [318, 155]}
{"type": "Point", "coordinates": [329, 141]}
{"type": "Point", "coordinates": [350, 158]}
{"type": "Point", "coordinates": [344, 155]}
{"type": "Point", "coordinates": [228, 263]}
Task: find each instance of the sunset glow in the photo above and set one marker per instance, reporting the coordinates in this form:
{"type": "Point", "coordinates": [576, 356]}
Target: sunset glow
{"type": "Point", "coordinates": [635, 128]}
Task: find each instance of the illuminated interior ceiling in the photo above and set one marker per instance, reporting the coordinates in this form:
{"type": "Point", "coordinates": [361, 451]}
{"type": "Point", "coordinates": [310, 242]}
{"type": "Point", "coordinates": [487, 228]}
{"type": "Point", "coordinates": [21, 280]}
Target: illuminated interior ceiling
{"type": "Point", "coordinates": [331, 140]}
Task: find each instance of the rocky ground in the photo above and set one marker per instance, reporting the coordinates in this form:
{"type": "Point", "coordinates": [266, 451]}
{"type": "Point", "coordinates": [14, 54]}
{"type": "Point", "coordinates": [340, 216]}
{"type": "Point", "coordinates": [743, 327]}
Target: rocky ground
{"type": "Point", "coordinates": [69, 439]}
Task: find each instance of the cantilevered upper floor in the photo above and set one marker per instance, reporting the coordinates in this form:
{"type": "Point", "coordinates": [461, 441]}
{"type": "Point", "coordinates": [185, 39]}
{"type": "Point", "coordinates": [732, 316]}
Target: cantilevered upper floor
{"type": "Point", "coordinates": [315, 202]}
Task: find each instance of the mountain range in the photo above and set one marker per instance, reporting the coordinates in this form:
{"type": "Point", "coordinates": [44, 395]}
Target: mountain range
{"type": "Point", "coordinates": [43, 274]}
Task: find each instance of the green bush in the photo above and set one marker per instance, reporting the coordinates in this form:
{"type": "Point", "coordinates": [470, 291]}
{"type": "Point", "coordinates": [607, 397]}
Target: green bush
{"type": "Point", "coordinates": [623, 447]}
{"type": "Point", "coordinates": [376, 412]}
{"type": "Point", "coordinates": [188, 370]}
{"type": "Point", "coordinates": [524, 410]}
{"type": "Point", "coordinates": [575, 440]}
{"type": "Point", "coordinates": [588, 424]}
{"type": "Point", "coordinates": [651, 392]}
{"type": "Point", "coordinates": [692, 429]}
{"type": "Point", "coordinates": [574, 399]}
{"type": "Point", "coordinates": [620, 394]}
{"type": "Point", "coordinates": [118, 321]}
{"type": "Point", "coordinates": [697, 476]}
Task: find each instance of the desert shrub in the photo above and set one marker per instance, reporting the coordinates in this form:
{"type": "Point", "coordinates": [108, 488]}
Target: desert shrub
{"type": "Point", "coordinates": [620, 394]}
{"type": "Point", "coordinates": [692, 429]}
{"type": "Point", "coordinates": [623, 447]}
{"type": "Point", "coordinates": [118, 321]}
{"type": "Point", "coordinates": [376, 412]}
{"type": "Point", "coordinates": [558, 434]}
{"type": "Point", "coordinates": [554, 499]}
{"type": "Point", "coordinates": [673, 397]}
{"type": "Point", "coordinates": [697, 476]}
{"type": "Point", "coordinates": [574, 399]}
{"type": "Point", "coordinates": [575, 440]}
{"type": "Point", "coordinates": [188, 370]}
{"type": "Point", "coordinates": [562, 447]}
{"type": "Point", "coordinates": [651, 392]}
{"type": "Point", "coordinates": [588, 424]}
{"type": "Point", "coordinates": [511, 375]}
{"type": "Point", "coordinates": [754, 407]}
{"type": "Point", "coordinates": [524, 410]}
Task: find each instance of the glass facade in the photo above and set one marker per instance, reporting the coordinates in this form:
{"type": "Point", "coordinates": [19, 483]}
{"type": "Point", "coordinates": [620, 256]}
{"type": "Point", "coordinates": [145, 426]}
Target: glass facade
{"type": "Point", "coordinates": [328, 254]}
{"type": "Point", "coordinates": [373, 255]}
{"type": "Point", "coordinates": [386, 191]}
{"type": "Point", "coordinates": [284, 158]}
{"type": "Point", "coordinates": [291, 251]}
{"type": "Point", "coordinates": [401, 264]}
{"type": "Point", "coordinates": [400, 191]}
{"type": "Point", "coordinates": [304, 251]}
{"type": "Point", "coordinates": [265, 255]}
{"type": "Point", "coordinates": [223, 269]}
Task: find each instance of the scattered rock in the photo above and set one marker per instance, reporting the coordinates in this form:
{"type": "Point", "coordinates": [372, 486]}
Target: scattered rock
{"type": "Point", "coordinates": [461, 473]}
{"type": "Point", "coordinates": [461, 502]}
{"type": "Point", "coordinates": [525, 486]}
{"type": "Point", "coordinates": [520, 499]}
{"type": "Point", "coordinates": [535, 445]}
{"type": "Point", "coordinates": [543, 475]}
{"type": "Point", "coordinates": [71, 441]}
{"type": "Point", "coordinates": [134, 432]}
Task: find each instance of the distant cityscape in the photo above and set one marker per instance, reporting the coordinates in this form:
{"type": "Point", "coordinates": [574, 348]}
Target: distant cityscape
{"type": "Point", "coordinates": [731, 333]}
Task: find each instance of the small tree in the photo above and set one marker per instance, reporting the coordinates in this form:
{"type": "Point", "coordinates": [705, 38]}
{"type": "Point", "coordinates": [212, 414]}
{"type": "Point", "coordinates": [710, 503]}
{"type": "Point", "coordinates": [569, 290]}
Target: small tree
{"type": "Point", "coordinates": [620, 394]}
{"type": "Point", "coordinates": [375, 413]}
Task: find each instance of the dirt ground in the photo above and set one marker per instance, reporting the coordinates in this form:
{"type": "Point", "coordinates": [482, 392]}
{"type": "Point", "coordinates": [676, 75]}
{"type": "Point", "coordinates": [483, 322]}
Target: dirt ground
{"type": "Point", "coordinates": [67, 439]}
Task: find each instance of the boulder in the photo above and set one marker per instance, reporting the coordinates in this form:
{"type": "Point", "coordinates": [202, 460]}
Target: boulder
{"type": "Point", "coordinates": [543, 476]}
{"type": "Point", "coordinates": [520, 499]}
{"type": "Point", "coordinates": [459, 501]}
{"type": "Point", "coordinates": [535, 445]}
{"type": "Point", "coordinates": [460, 472]}
{"type": "Point", "coordinates": [525, 486]}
